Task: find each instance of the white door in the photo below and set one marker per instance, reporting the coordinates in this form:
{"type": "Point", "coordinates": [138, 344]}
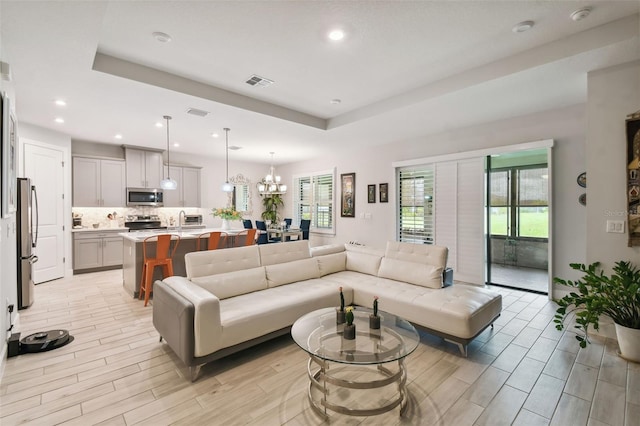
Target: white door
{"type": "Point", "coordinates": [45, 168]}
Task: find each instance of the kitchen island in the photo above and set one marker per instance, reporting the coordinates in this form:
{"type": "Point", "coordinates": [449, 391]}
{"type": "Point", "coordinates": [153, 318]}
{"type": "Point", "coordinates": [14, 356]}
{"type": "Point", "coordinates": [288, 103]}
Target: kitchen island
{"type": "Point", "coordinates": [132, 258]}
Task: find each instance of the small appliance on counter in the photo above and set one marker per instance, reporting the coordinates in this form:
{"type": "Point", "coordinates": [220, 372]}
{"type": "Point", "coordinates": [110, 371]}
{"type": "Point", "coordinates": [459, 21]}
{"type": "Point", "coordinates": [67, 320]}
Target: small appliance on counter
{"type": "Point", "coordinates": [77, 220]}
{"type": "Point", "coordinates": [192, 221]}
{"type": "Point", "coordinates": [143, 223]}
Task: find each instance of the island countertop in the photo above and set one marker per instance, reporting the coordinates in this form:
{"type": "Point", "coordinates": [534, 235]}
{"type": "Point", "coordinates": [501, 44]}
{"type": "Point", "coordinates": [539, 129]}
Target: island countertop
{"type": "Point", "coordinates": [186, 233]}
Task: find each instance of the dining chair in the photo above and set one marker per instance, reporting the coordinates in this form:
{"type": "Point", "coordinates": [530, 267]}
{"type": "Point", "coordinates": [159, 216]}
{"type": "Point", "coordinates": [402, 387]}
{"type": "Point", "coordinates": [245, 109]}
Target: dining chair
{"type": "Point", "coordinates": [262, 232]}
{"type": "Point", "coordinates": [216, 240]}
{"type": "Point", "coordinates": [163, 257]}
{"type": "Point", "coordinates": [247, 223]}
{"type": "Point", "coordinates": [249, 237]}
{"type": "Point", "coordinates": [305, 224]}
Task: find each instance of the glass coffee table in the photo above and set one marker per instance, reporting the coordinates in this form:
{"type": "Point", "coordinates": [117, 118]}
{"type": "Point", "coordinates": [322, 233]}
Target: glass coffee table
{"type": "Point", "coordinates": [339, 368]}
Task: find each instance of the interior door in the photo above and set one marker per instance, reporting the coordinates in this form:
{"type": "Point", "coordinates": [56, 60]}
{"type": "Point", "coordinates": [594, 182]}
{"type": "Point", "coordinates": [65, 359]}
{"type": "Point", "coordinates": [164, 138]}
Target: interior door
{"type": "Point", "coordinates": [43, 164]}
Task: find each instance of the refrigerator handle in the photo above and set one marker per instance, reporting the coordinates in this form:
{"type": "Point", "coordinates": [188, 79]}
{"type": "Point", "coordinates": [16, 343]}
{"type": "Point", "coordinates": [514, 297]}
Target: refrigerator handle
{"type": "Point", "coordinates": [35, 198]}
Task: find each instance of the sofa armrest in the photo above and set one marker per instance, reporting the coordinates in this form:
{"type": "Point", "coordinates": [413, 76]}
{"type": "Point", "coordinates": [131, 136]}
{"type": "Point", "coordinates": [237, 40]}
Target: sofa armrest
{"type": "Point", "coordinates": [447, 277]}
{"type": "Point", "coordinates": [173, 319]}
{"type": "Point", "coordinates": [206, 324]}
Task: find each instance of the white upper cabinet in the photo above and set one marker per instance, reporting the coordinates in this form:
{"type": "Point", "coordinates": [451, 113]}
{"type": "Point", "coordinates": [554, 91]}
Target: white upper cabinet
{"type": "Point", "coordinates": [187, 194]}
{"type": "Point", "coordinates": [144, 168]}
{"type": "Point", "coordinates": [98, 182]}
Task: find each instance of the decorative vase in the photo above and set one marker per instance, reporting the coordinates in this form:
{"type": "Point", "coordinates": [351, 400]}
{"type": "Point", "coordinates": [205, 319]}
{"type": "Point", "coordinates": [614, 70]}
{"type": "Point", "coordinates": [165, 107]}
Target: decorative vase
{"type": "Point", "coordinates": [374, 322]}
{"type": "Point", "coordinates": [226, 225]}
{"type": "Point", "coordinates": [349, 332]}
{"type": "Point", "coordinates": [340, 316]}
{"type": "Point", "coordinates": [629, 342]}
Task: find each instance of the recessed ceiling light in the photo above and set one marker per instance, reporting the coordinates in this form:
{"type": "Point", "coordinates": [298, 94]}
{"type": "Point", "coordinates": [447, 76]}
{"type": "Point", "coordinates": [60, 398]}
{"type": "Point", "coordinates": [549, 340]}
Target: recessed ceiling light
{"type": "Point", "coordinates": [161, 37]}
{"type": "Point", "coordinates": [176, 144]}
{"type": "Point", "coordinates": [580, 14]}
{"type": "Point", "coordinates": [522, 26]}
{"type": "Point", "coordinates": [234, 148]}
{"type": "Point", "coordinates": [336, 35]}
{"type": "Point", "coordinates": [60, 102]}
{"type": "Point", "coordinates": [214, 135]}
{"type": "Point", "coordinates": [118, 136]}
{"type": "Point", "coordinates": [59, 120]}
{"type": "Point", "coordinates": [158, 124]}
{"type": "Point", "coordinates": [335, 101]}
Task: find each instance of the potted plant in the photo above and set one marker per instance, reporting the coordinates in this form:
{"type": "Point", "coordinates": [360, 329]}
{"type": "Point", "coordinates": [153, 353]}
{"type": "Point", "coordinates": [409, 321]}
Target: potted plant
{"type": "Point", "coordinates": [374, 319]}
{"type": "Point", "coordinates": [271, 204]}
{"type": "Point", "coordinates": [340, 313]}
{"type": "Point", "coordinates": [349, 328]}
{"type": "Point", "coordinates": [617, 296]}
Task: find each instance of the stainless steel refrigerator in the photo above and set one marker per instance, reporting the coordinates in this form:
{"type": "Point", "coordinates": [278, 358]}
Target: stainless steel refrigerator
{"type": "Point", "coordinates": [27, 239]}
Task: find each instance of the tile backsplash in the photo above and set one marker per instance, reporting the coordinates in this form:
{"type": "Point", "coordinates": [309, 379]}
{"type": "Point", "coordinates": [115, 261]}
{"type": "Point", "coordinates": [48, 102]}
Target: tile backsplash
{"type": "Point", "coordinates": [93, 215]}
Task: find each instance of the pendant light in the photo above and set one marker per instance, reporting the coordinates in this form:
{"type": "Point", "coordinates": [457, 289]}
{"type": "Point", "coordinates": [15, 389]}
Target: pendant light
{"type": "Point", "coordinates": [168, 183]}
{"type": "Point", "coordinates": [226, 186]}
{"type": "Point", "coordinates": [270, 184]}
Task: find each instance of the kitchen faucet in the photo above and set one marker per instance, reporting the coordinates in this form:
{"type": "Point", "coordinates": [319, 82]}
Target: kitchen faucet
{"type": "Point", "coordinates": [180, 216]}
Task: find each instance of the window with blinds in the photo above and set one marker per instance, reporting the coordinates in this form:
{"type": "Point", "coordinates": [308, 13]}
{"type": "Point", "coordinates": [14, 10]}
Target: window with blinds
{"type": "Point", "coordinates": [314, 200]}
{"type": "Point", "coordinates": [416, 205]}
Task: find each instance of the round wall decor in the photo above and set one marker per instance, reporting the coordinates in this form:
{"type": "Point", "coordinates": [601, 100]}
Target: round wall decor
{"type": "Point", "coordinates": [582, 179]}
{"type": "Point", "coordinates": [582, 199]}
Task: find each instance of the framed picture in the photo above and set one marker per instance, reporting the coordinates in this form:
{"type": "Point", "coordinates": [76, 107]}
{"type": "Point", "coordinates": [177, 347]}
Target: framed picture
{"type": "Point", "coordinates": [9, 147]}
{"type": "Point", "coordinates": [371, 193]}
{"type": "Point", "coordinates": [384, 192]}
{"type": "Point", "coordinates": [348, 195]}
{"type": "Point", "coordinates": [633, 185]}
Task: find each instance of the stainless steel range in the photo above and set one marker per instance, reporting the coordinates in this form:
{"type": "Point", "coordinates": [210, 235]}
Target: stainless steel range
{"type": "Point", "coordinates": [143, 223]}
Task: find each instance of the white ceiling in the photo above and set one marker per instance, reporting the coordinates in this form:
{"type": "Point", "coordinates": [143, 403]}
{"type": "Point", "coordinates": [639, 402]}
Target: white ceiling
{"type": "Point", "coordinates": [404, 69]}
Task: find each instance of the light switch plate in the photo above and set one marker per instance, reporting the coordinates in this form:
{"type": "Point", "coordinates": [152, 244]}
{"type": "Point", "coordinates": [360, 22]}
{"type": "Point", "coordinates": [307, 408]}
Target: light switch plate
{"type": "Point", "coordinates": [615, 226]}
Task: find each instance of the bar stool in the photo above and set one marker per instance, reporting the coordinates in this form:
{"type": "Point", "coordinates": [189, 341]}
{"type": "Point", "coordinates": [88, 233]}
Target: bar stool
{"type": "Point", "coordinates": [215, 238]}
{"type": "Point", "coordinates": [163, 256]}
{"type": "Point", "coordinates": [249, 237]}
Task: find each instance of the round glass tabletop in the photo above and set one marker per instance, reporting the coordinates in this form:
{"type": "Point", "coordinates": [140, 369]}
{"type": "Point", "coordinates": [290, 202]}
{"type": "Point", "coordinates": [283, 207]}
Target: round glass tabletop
{"type": "Point", "coordinates": [318, 334]}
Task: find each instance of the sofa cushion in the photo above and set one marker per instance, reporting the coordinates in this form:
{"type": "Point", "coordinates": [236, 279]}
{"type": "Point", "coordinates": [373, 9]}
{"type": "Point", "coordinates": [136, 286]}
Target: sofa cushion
{"type": "Point", "coordinates": [289, 272]}
{"type": "Point", "coordinates": [418, 253]}
{"type": "Point", "coordinates": [271, 254]}
{"type": "Point", "coordinates": [233, 283]}
{"type": "Point", "coordinates": [204, 263]}
{"type": "Point", "coordinates": [363, 262]}
{"type": "Point", "coordinates": [327, 249]}
{"type": "Point", "coordinates": [410, 272]}
{"type": "Point", "coordinates": [332, 263]}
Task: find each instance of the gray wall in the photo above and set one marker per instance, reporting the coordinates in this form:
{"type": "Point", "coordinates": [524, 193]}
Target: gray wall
{"type": "Point", "coordinates": [612, 94]}
{"type": "Point", "coordinates": [566, 126]}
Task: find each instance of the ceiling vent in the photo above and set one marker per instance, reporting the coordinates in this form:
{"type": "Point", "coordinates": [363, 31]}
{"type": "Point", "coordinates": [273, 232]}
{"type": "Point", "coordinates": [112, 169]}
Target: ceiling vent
{"type": "Point", "coordinates": [256, 80]}
{"type": "Point", "coordinates": [198, 112]}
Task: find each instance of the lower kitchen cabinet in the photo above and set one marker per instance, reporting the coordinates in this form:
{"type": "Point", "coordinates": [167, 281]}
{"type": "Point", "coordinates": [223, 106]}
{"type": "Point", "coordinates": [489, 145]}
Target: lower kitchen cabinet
{"type": "Point", "coordinates": [96, 251]}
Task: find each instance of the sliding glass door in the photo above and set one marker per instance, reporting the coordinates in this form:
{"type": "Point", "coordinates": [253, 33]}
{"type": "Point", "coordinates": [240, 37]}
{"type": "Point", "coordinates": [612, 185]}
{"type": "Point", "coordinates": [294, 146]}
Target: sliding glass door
{"type": "Point", "coordinates": [517, 215]}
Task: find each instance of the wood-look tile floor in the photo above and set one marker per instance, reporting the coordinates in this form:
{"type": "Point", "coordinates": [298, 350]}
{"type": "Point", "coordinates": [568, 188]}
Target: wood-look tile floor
{"type": "Point", "coordinates": [115, 372]}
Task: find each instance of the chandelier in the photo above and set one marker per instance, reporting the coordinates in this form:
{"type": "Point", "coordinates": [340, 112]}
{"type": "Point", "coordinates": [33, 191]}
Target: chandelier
{"type": "Point", "coordinates": [270, 184]}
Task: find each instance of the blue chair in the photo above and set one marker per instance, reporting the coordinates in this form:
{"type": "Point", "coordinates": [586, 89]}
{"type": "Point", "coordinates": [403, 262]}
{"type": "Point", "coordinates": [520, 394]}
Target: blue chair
{"type": "Point", "coordinates": [305, 224]}
{"type": "Point", "coordinates": [288, 221]}
{"type": "Point", "coordinates": [263, 237]}
{"type": "Point", "coordinates": [247, 223]}
{"type": "Point", "coordinates": [262, 232]}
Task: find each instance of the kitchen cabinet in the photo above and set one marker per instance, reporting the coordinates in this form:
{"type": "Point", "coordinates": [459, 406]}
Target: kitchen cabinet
{"type": "Point", "coordinates": [98, 182]}
{"type": "Point", "coordinates": [187, 194]}
{"type": "Point", "coordinates": [96, 250]}
{"type": "Point", "coordinates": [144, 168]}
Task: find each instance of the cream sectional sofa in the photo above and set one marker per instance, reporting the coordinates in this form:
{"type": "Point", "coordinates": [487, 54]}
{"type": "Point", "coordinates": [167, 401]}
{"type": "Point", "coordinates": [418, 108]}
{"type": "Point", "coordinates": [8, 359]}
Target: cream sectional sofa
{"type": "Point", "coordinates": [234, 298]}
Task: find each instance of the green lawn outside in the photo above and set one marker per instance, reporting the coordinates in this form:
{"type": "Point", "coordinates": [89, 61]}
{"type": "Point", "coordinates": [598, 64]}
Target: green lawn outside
{"type": "Point", "coordinates": [532, 224]}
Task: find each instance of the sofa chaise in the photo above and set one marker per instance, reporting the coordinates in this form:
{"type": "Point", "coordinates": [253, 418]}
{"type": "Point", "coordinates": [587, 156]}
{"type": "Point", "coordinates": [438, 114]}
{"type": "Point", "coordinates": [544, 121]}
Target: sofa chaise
{"type": "Point", "coordinates": [235, 298]}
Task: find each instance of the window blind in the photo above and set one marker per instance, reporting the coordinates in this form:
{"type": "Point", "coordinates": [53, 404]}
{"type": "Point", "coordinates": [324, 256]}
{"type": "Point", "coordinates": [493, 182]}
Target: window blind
{"type": "Point", "coordinates": [416, 204]}
{"type": "Point", "coordinates": [314, 200]}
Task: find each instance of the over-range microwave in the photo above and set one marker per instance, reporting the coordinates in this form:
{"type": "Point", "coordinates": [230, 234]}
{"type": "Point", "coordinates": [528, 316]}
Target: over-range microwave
{"type": "Point", "coordinates": [144, 197]}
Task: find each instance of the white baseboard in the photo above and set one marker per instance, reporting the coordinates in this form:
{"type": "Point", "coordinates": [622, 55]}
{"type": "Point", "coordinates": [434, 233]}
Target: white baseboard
{"type": "Point", "coordinates": [3, 357]}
